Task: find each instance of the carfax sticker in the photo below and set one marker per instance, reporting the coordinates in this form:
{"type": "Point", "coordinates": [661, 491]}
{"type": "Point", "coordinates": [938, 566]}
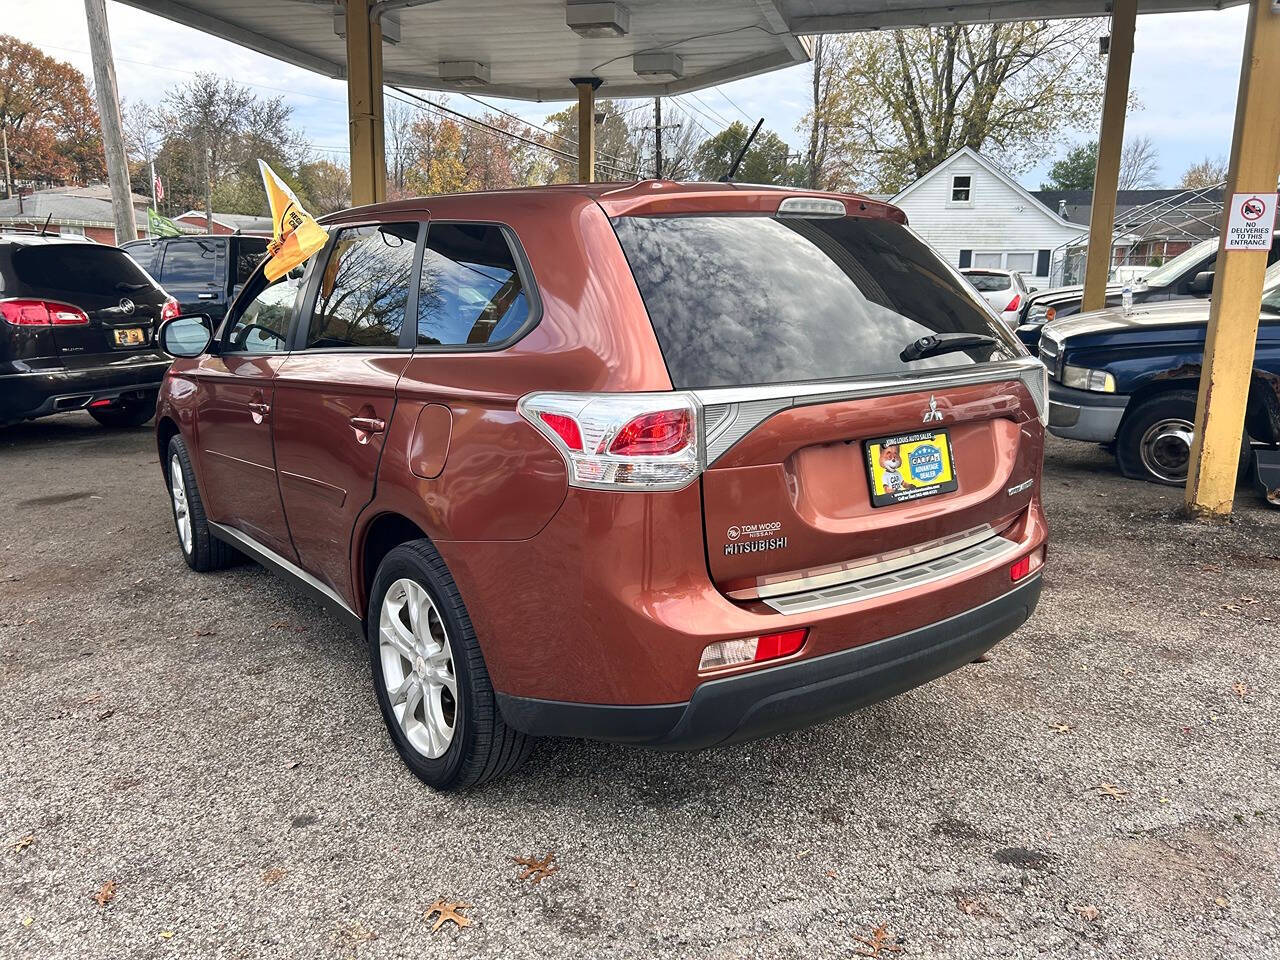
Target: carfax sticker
{"type": "Point", "coordinates": [910, 467]}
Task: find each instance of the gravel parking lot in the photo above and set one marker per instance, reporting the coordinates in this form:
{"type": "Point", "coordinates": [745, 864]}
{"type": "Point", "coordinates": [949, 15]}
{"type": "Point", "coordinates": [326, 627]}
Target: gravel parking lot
{"type": "Point", "coordinates": [195, 766]}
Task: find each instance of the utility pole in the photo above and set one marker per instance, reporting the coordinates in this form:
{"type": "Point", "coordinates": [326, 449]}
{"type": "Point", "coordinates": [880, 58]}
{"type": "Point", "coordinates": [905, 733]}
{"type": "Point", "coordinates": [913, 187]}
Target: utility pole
{"type": "Point", "coordinates": [657, 138]}
{"type": "Point", "coordinates": [208, 189]}
{"type": "Point", "coordinates": [4, 136]}
{"type": "Point", "coordinates": [104, 81]}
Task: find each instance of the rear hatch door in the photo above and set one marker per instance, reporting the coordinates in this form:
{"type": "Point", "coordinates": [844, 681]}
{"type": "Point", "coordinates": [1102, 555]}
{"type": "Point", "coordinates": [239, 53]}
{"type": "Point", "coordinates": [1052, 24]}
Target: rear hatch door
{"type": "Point", "coordinates": [122, 302]}
{"type": "Point", "coordinates": [827, 450]}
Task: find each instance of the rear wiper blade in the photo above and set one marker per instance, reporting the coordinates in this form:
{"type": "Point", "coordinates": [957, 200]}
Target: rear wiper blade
{"type": "Point", "coordinates": [940, 343]}
{"type": "Point", "coordinates": [132, 286]}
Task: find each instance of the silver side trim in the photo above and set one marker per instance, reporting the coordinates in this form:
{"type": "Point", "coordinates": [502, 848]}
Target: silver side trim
{"type": "Point", "coordinates": [868, 567]}
{"type": "Point", "coordinates": [991, 549]}
{"type": "Point", "coordinates": [730, 413]}
{"type": "Point", "coordinates": [269, 558]}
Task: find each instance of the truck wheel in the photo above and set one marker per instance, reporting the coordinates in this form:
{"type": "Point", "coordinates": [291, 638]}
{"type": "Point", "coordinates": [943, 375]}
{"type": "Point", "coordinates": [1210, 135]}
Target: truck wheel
{"type": "Point", "coordinates": [1154, 442]}
{"type": "Point", "coordinates": [431, 681]}
{"type": "Point", "coordinates": [126, 413]}
{"type": "Point", "coordinates": [200, 548]}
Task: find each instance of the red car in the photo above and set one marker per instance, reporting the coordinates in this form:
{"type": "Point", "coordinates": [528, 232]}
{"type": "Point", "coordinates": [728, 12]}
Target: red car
{"type": "Point", "coordinates": [675, 465]}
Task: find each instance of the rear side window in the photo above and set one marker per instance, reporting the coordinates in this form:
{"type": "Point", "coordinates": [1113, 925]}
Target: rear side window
{"type": "Point", "coordinates": [471, 290]}
{"type": "Point", "coordinates": [249, 253]}
{"type": "Point", "coordinates": [364, 290]}
{"type": "Point", "coordinates": [989, 282]}
{"type": "Point", "coordinates": [738, 300]}
{"type": "Point", "coordinates": [190, 264]}
{"type": "Point", "coordinates": [84, 268]}
{"type": "Point", "coordinates": [144, 254]}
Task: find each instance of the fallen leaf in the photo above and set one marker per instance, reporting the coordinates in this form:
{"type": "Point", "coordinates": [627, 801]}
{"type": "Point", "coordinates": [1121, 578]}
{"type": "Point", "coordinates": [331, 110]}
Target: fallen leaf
{"type": "Point", "coordinates": [106, 714]}
{"type": "Point", "coordinates": [1061, 727]}
{"type": "Point", "coordinates": [1241, 689]}
{"type": "Point", "coordinates": [106, 893]}
{"type": "Point", "coordinates": [970, 907]}
{"type": "Point", "coordinates": [92, 699]}
{"type": "Point", "coordinates": [206, 633]}
{"type": "Point", "coordinates": [273, 875]}
{"type": "Point", "coordinates": [881, 940]}
{"type": "Point", "coordinates": [1223, 902]}
{"type": "Point", "coordinates": [1112, 791]}
{"type": "Point", "coordinates": [25, 842]}
{"type": "Point", "coordinates": [536, 870]}
{"type": "Point", "coordinates": [831, 874]}
{"type": "Point", "coordinates": [1087, 912]}
{"type": "Point", "coordinates": [166, 934]}
{"type": "Point", "coordinates": [357, 933]}
{"type": "Point", "coordinates": [27, 921]}
{"type": "Point", "coordinates": [447, 911]}
{"type": "Point", "coordinates": [293, 764]}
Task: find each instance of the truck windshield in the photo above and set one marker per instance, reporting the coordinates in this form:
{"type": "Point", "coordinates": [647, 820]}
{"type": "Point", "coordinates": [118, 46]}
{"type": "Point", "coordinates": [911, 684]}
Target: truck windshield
{"type": "Point", "coordinates": [1171, 271]}
{"type": "Point", "coordinates": [751, 299]}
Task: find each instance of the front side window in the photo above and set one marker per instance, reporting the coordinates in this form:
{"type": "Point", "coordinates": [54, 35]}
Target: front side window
{"type": "Point", "coordinates": [961, 189]}
{"type": "Point", "coordinates": [1203, 255]}
{"type": "Point", "coordinates": [364, 290]}
{"type": "Point", "coordinates": [190, 264]}
{"type": "Point", "coordinates": [471, 290]}
{"type": "Point", "coordinates": [261, 325]}
{"type": "Point", "coordinates": [738, 300]}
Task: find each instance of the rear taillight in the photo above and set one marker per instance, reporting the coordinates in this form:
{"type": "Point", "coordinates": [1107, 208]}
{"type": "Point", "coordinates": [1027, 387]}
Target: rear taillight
{"type": "Point", "coordinates": [169, 310]}
{"type": "Point", "coordinates": [1014, 303]}
{"type": "Point", "coordinates": [621, 441]}
{"type": "Point", "coordinates": [771, 646]}
{"type": "Point", "coordinates": [41, 313]}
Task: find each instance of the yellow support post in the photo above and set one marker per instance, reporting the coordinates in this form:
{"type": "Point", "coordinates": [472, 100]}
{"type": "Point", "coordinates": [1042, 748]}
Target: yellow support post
{"type": "Point", "coordinates": [1106, 177]}
{"type": "Point", "coordinates": [586, 127]}
{"type": "Point", "coordinates": [1237, 282]}
{"type": "Point", "coordinates": [364, 105]}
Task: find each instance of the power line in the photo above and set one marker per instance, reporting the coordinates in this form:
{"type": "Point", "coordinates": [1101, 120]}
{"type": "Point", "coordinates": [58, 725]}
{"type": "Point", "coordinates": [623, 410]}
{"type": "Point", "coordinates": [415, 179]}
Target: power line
{"type": "Point", "coordinates": [711, 109]}
{"type": "Point", "coordinates": [747, 116]}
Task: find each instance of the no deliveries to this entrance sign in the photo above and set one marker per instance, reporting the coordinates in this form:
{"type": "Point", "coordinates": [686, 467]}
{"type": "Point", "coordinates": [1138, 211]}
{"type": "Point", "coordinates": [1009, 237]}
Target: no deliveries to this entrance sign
{"type": "Point", "coordinates": [1253, 218]}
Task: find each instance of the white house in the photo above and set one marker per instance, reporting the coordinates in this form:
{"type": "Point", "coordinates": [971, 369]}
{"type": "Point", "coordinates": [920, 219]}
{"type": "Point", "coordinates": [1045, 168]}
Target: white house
{"type": "Point", "coordinates": [975, 214]}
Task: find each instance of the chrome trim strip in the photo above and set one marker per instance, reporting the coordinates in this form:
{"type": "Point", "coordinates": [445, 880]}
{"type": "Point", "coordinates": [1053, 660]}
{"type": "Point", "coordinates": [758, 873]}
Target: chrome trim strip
{"type": "Point", "coordinates": [991, 549]}
{"type": "Point", "coordinates": [868, 567]}
{"type": "Point", "coordinates": [733, 412]}
{"type": "Point", "coordinates": [281, 565]}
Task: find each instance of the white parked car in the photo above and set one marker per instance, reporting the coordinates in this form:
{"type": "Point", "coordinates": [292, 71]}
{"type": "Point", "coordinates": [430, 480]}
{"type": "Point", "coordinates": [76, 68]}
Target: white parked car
{"type": "Point", "coordinates": [1003, 289]}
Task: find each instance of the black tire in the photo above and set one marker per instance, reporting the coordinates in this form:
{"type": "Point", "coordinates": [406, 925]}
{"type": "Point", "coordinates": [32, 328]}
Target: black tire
{"type": "Point", "coordinates": [206, 552]}
{"type": "Point", "coordinates": [482, 747]}
{"type": "Point", "coordinates": [1177, 408]}
{"type": "Point", "coordinates": [127, 413]}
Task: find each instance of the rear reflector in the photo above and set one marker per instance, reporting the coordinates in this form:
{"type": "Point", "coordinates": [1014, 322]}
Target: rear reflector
{"type": "Point", "coordinates": [771, 646]}
{"type": "Point", "coordinates": [41, 313]}
{"type": "Point", "coordinates": [1025, 566]}
{"type": "Point", "coordinates": [99, 403]}
{"type": "Point", "coordinates": [565, 427]}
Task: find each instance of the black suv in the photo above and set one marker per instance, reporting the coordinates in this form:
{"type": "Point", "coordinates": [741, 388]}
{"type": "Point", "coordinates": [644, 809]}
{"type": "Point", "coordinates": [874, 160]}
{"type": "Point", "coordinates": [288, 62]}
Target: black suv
{"type": "Point", "coordinates": [204, 273]}
{"type": "Point", "coordinates": [77, 331]}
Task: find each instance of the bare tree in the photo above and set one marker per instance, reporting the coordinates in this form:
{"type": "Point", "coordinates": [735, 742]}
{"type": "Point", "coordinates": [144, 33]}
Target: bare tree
{"type": "Point", "coordinates": [1209, 172]}
{"type": "Point", "coordinates": [1139, 164]}
{"type": "Point", "coordinates": [398, 118]}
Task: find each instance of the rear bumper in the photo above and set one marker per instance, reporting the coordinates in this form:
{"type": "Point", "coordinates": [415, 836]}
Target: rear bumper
{"type": "Point", "coordinates": [1084, 414]}
{"type": "Point", "coordinates": [26, 394]}
{"type": "Point", "coordinates": [793, 695]}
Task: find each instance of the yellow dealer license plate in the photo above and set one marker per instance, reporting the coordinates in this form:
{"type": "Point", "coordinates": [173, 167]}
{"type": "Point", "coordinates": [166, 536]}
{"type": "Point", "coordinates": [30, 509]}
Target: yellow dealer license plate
{"type": "Point", "coordinates": [910, 467]}
{"type": "Point", "coordinates": [130, 337]}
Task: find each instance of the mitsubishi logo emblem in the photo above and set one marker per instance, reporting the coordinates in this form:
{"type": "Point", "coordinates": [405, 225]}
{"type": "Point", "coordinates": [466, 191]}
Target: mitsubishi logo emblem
{"type": "Point", "coordinates": [933, 414]}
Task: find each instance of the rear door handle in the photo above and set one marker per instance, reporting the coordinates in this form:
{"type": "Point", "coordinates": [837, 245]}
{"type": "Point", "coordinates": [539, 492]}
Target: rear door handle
{"type": "Point", "coordinates": [366, 427]}
{"type": "Point", "coordinates": [258, 411]}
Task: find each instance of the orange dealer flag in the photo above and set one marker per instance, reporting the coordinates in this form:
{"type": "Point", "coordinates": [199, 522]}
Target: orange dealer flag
{"type": "Point", "coordinates": [297, 235]}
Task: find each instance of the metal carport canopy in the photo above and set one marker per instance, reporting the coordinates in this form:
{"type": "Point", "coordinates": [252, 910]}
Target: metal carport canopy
{"type": "Point", "coordinates": [530, 52]}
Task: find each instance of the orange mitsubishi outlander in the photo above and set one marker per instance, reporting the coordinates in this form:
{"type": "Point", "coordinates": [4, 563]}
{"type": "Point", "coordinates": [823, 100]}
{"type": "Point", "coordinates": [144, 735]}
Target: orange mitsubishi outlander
{"type": "Point", "coordinates": [665, 464]}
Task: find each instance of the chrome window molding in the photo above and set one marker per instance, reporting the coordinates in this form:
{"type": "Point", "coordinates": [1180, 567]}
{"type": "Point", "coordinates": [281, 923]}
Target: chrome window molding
{"type": "Point", "coordinates": [730, 413]}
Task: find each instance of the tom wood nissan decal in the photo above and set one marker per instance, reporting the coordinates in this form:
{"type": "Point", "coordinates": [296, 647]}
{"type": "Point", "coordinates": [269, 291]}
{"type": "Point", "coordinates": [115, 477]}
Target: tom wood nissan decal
{"type": "Point", "coordinates": [753, 538]}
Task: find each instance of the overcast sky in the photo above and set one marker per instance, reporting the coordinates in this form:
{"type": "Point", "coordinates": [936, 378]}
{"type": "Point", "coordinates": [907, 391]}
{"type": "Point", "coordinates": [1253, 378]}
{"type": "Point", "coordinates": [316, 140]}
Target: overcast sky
{"type": "Point", "coordinates": [1185, 72]}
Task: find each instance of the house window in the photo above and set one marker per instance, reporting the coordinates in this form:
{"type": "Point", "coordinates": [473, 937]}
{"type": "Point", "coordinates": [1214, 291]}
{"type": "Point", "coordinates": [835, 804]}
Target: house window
{"type": "Point", "coordinates": [1024, 263]}
{"type": "Point", "coordinates": [961, 188]}
{"type": "Point", "coordinates": [69, 231]}
{"type": "Point", "coordinates": [989, 261]}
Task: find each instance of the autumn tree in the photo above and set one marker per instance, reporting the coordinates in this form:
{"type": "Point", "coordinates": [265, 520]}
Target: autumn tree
{"type": "Point", "coordinates": [767, 160]}
{"type": "Point", "coordinates": [902, 101]}
{"type": "Point", "coordinates": [49, 132]}
{"type": "Point", "coordinates": [1209, 172]}
{"type": "Point", "coordinates": [323, 186]}
{"type": "Point", "coordinates": [618, 144]}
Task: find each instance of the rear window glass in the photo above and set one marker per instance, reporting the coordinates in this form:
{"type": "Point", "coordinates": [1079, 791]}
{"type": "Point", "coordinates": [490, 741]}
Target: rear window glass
{"type": "Point", "coordinates": [249, 252]}
{"type": "Point", "coordinates": [989, 283]}
{"type": "Point", "coordinates": [81, 268]}
{"type": "Point", "coordinates": [738, 300]}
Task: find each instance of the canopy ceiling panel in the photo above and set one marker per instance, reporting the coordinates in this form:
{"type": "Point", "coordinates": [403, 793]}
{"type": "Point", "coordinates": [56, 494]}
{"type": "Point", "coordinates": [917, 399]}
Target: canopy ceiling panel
{"type": "Point", "coordinates": [529, 52]}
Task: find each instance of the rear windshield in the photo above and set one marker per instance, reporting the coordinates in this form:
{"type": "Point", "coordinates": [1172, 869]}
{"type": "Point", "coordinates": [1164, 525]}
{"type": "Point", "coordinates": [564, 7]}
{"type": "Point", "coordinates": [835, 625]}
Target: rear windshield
{"type": "Point", "coordinates": [81, 268]}
{"type": "Point", "coordinates": [738, 300]}
{"type": "Point", "coordinates": [989, 282]}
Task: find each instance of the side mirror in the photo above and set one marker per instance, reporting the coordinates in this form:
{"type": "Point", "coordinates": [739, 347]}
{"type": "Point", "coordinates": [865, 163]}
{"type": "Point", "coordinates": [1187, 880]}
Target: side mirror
{"type": "Point", "coordinates": [186, 336]}
{"type": "Point", "coordinates": [1202, 283]}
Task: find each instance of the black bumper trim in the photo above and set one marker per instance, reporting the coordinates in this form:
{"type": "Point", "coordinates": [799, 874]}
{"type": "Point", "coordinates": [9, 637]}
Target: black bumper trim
{"type": "Point", "coordinates": [790, 696]}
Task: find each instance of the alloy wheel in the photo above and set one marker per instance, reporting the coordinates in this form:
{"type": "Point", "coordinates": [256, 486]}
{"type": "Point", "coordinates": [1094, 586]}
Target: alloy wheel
{"type": "Point", "coordinates": [1166, 449]}
{"type": "Point", "coordinates": [417, 667]}
{"type": "Point", "coordinates": [181, 510]}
